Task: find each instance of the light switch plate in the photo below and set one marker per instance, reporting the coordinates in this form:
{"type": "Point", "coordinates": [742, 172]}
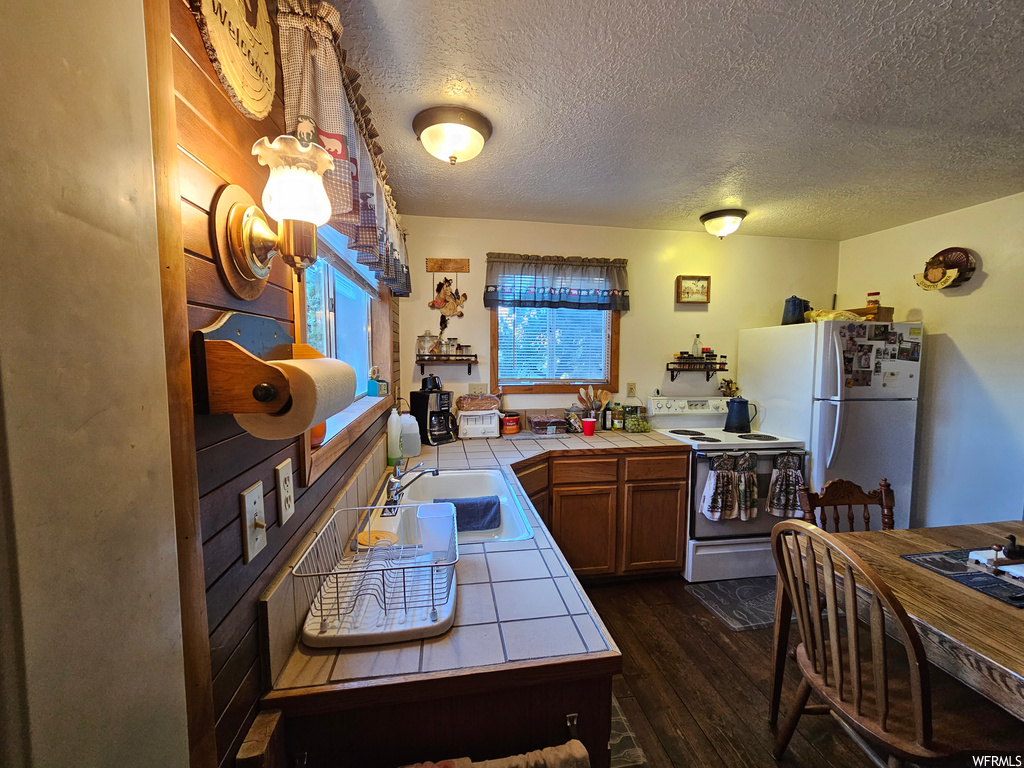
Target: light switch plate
{"type": "Point", "coordinates": [631, 389]}
{"type": "Point", "coordinates": [254, 521]}
{"type": "Point", "coordinates": [478, 389]}
{"type": "Point", "coordinates": [285, 491]}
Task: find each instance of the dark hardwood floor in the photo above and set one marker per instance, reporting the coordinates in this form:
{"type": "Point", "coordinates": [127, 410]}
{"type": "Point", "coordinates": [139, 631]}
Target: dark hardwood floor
{"type": "Point", "coordinates": [696, 693]}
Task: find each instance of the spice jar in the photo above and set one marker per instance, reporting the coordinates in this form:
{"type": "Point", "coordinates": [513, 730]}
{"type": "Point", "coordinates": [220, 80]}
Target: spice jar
{"type": "Point", "coordinates": [874, 299]}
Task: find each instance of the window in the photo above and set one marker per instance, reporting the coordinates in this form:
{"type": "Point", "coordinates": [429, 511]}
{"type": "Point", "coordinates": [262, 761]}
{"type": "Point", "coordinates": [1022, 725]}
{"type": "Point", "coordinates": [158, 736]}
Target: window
{"type": "Point", "coordinates": [554, 321]}
{"type": "Point", "coordinates": [541, 349]}
{"type": "Point", "coordinates": [540, 344]}
{"type": "Point", "coordinates": [338, 314]}
{"type": "Point", "coordinates": [338, 319]}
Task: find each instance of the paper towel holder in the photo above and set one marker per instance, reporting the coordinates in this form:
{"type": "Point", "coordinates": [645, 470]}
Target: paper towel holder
{"type": "Point", "coordinates": [230, 372]}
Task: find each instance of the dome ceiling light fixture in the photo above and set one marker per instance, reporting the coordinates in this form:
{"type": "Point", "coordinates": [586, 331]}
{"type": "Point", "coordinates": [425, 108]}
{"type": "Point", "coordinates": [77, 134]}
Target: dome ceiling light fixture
{"type": "Point", "coordinates": [724, 222]}
{"type": "Point", "coordinates": [454, 134]}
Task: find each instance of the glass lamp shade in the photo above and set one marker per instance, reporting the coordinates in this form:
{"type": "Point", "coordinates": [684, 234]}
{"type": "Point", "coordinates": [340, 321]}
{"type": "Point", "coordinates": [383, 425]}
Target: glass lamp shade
{"type": "Point", "coordinates": [452, 134]}
{"type": "Point", "coordinates": [295, 190]}
{"type": "Point", "coordinates": [722, 223]}
{"type": "Point", "coordinates": [450, 140]}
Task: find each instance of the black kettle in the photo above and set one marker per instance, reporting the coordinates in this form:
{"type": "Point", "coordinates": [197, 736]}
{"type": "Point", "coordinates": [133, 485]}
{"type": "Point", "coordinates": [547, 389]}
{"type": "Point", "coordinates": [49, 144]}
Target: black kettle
{"type": "Point", "coordinates": [431, 383]}
{"type": "Point", "coordinates": [794, 310]}
{"type": "Point", "coordinates": [738, 418]}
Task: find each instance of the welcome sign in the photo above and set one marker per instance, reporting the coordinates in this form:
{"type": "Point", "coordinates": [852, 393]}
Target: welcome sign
{"type": "Point", "coordinates": [240, 44]}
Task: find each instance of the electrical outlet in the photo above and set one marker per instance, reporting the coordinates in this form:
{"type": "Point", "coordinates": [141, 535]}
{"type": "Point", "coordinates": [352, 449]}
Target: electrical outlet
{"type": "Point", "coordinates": [630, 389]}
{"type": "Point", "coordinates": [478, 389]}
{"type": "Point", "coordinates": [285, 491]}
{"type": "Point", "coordinates": [254, 521]}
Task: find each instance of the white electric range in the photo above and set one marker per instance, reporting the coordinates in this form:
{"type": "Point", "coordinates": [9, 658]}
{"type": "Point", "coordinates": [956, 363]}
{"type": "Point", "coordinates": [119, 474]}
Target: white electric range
{"type": "Point", "coordinates": [723, 549]}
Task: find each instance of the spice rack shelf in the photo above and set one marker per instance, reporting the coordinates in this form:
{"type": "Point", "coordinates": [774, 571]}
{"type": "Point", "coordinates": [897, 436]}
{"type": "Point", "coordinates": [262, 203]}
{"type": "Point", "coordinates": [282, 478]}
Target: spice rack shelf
{"type": "Point", "coordinates": [467, 360]}
{"type": "Point", "coordinates": [709, 369]}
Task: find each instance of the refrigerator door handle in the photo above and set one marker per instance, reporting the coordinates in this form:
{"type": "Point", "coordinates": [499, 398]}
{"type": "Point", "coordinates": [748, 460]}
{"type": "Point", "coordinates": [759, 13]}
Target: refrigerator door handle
{"type": "Point", "coordinates": [838, 404]}
{"type": "Point", "coordinates": [839, 366]}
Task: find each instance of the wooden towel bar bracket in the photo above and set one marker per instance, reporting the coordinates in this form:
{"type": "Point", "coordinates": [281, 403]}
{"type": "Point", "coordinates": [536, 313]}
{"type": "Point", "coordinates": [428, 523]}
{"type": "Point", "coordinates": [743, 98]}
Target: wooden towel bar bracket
{"type": "Point", "coordinates": [231, 371]}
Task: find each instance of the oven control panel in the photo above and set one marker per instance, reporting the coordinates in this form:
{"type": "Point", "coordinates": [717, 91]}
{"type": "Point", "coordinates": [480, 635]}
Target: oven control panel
{"type": "Point", "coordinates": [664, 405]}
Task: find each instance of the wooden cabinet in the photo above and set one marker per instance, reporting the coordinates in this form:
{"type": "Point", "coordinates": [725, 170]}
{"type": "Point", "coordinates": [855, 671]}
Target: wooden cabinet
{"type": "Point", "coordinates": [653, 518]}
{"type": "Point", "coordinates": [533, 476]}
{"type": "Point", "coordinates": [583, 522]}
{"type": "Point", "coordinates": [613, 512]}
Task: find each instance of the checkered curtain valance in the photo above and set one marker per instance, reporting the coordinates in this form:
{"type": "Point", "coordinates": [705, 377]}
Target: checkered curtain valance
{"type": "Point", "coordinates": [519, 280]}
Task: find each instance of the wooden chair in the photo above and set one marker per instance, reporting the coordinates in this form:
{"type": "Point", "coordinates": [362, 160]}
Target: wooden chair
{"type": "Point", "coordinates": [879, 687]}
{"type": "Point", "coordinates": [835, 496]}
{"type": "Point", "coordinates": [842, 494]}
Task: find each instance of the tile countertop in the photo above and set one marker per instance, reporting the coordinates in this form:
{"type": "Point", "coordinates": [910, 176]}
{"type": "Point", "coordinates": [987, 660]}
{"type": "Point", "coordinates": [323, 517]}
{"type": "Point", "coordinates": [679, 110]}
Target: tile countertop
{"type": "Point", "coordinates": [518, 602]}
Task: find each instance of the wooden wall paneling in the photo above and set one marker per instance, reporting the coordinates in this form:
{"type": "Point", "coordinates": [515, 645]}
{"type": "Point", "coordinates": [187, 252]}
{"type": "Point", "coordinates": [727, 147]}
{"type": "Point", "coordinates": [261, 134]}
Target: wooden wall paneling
{"type": "Point", "coordinates": [223, 461]}
{"type": "Point", "coordinates": [239, 709]}
{"type": "Point", "coordinates": [225, 637]}
{"type": "Point", "coordinates": [202, 140]}
{"type": "Point", "coordinates": [380, 341]}
{"type": "Point", "coordinates": [216, 509]}
{"type": "Point", "coordinates": [214, 428]}
{"type": "Point", "coordinates": [235, 669]}
{"type": "Point", "coordinates": [198, 183]}
{"type": "Point", "coordinates": [195, 639]}
{"type": "Point", "coordinates": [206, 287]}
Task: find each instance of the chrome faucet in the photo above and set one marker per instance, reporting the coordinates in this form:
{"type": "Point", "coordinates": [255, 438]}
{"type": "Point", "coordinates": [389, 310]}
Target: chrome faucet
{"type": "Point", "coordinates": [395, 487]}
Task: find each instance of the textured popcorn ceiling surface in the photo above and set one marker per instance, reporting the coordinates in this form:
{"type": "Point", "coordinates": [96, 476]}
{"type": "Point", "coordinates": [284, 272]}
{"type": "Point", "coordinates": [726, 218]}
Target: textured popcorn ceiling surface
{"type": "Point", "coordinates": [826, 119]}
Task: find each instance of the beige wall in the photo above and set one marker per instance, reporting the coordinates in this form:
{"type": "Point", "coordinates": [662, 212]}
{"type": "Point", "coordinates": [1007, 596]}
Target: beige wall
{"type": "Point", "coordinates": [751, 278]}
{"type": "Point", "coordinates": [971, 419]}
{"type": "Point", "coordinates": [91, 671]}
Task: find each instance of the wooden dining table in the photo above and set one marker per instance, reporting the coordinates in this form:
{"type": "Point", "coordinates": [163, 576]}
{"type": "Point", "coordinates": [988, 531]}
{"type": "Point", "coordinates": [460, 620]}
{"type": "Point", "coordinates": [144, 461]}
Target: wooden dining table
{"type": "Point", "coordinates": [973, 637]}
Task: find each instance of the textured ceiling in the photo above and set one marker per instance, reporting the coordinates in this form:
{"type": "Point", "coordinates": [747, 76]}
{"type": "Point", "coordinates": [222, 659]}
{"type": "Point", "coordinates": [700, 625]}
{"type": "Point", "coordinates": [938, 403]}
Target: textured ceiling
{"type": "Point", "coordinates": [824, 119]}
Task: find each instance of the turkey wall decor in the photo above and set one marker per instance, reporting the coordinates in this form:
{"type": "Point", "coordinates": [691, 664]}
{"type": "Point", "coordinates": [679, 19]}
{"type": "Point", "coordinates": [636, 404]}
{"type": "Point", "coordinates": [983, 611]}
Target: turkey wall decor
{"type": "Point", "coordinates": [947, 269]}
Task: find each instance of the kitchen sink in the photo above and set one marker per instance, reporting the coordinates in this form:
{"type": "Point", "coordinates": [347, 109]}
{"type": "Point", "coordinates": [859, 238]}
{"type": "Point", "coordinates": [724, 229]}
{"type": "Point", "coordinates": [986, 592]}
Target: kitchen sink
{"type": "Point", "coordinates": [468, 483]}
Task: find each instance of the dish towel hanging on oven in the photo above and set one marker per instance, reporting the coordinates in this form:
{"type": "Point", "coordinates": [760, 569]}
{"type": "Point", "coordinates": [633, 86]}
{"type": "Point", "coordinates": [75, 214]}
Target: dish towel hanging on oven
{"type": "Point", "coordinates": [731, 488]}
{"type": "Point", "coordinates": [783, 500]}
{"type": "Point", "coordinates": [746, 486]}
{"type": "Point", "coordinates": [719, 497]}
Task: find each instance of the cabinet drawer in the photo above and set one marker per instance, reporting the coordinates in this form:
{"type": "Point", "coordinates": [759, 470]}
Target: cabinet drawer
{"type": "Point", "coordinates": [534, 479]}
{"type": "Point", "coordinates": [672, 467]}
{"type": "Point", "coordinates": [584, 471]}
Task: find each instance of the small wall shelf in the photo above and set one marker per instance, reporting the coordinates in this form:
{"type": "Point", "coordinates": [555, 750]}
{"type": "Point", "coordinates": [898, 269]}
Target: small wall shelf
{"type": "Point", "coordinates": [467, 360]}
{"type": "Point", "coordinates": [709, 369]}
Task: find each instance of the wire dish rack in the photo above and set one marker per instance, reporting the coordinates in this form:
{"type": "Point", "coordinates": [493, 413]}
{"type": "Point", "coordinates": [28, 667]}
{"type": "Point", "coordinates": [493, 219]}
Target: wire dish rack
{"type": "Point", "coordinates": [382, 586]}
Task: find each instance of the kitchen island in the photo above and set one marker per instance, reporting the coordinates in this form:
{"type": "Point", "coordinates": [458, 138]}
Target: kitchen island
{"type": "Point", "coordinates": [527, 649]}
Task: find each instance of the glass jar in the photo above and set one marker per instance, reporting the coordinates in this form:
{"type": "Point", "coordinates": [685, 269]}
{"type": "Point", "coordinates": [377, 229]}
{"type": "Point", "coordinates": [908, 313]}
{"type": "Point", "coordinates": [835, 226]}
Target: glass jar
{"type": "Point", "coordinates": [425, 343]}
{"type": "Point", "coordinates": [634, 419]}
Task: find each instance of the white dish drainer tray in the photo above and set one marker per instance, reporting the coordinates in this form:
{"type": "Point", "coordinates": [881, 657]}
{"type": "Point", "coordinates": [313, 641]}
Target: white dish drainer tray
{"type": "Point", "coordinates": [385, 593]}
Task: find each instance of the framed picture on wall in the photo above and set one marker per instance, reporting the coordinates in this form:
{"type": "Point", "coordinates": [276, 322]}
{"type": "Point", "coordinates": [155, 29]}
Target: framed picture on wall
{"type": "Point", "coordinates": [693, 289]}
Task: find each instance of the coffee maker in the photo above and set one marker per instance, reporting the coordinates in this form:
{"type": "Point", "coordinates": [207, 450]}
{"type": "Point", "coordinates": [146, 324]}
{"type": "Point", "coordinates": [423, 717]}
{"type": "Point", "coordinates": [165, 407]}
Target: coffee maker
{"type": "Point", "coordinates": [432, 407]}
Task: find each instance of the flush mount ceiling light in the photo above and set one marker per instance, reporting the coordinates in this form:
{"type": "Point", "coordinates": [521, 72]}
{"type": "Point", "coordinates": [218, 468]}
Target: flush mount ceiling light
{"type": "Point", "coordinates": [243, 239]}
{"type": "Point", "coordinates": [454, 134]}
{"type": "Point", "coordinates": [722, 223]}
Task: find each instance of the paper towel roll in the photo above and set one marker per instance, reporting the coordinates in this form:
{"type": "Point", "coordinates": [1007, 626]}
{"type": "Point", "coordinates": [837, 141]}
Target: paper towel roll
{"type": "Point", "coordinates": [320, 387]}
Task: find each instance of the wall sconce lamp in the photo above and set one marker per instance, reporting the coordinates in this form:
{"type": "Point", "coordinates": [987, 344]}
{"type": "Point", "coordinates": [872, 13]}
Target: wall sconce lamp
{"type": "Point", "coordinates": [455, 134]}
{"type": "Point", "coordinates": [722, 223]}
{"type": "Point", "coordinates": [244, 243]}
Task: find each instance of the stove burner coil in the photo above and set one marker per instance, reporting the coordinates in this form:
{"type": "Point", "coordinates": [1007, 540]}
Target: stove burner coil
{"type": "Point", "coordinates": [687, 432]}
{"type": "Point", "coordinates": [709, 440]}
{"type": "Point", "coordinates": [757, 436]}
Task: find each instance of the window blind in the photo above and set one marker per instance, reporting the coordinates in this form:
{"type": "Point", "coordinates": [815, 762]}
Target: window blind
{"type": "Point", "coordinates": [545, 344]}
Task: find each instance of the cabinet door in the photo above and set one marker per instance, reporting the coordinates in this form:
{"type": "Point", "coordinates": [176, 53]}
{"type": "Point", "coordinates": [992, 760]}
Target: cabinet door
{"type": "Point", "coordinates": [654, 516]}
{"type": "Point", "coordinates": [583, 524]}
{"type": "Point", "coordinates": [540, 503]}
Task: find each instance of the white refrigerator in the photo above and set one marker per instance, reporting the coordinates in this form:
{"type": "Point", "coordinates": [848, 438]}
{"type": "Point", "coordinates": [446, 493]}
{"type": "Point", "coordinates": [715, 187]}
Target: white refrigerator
{"type": "Point", "coordinates": [849, 390]}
